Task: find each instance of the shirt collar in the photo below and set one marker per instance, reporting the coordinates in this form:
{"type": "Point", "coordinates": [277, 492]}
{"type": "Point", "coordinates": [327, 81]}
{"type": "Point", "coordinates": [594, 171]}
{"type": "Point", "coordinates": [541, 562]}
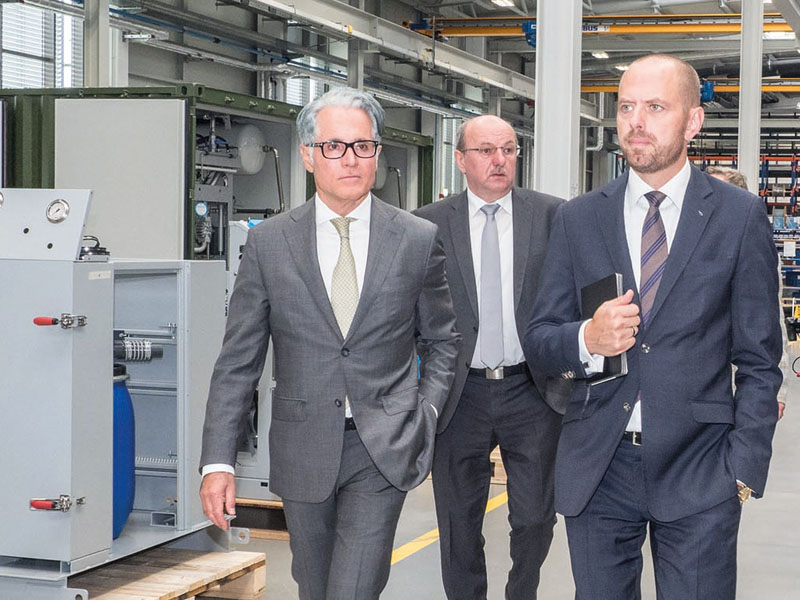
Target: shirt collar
{"type": "Point", "coordinates": [675, 188]}
{"type": "Point", "coordinates": [475, 203]}
{"type": "Point", "coordinates": [360, 213]}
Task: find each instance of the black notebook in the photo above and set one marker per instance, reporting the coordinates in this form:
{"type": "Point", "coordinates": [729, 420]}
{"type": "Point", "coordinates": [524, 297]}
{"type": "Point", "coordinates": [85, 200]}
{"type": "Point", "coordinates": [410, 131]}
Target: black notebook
{"type": "Point", "coordinates": [592, 296]}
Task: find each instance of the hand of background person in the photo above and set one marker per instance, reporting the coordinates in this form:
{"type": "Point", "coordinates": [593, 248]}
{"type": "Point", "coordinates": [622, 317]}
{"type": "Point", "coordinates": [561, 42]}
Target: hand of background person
{"type": "Point", "coordinates": [612, 329]}
{"type": "Point", "coordinates": [218, 494]}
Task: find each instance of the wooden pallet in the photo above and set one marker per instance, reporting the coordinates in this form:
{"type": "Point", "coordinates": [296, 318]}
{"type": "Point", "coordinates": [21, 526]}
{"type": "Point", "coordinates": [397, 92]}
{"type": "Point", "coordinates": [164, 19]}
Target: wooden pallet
{"type": "Point", "coordinates": [171, 574]}
{"type": "Point", "coordinates": [498, 470]}
{"type": "Point", "coordinates": [264, 518]}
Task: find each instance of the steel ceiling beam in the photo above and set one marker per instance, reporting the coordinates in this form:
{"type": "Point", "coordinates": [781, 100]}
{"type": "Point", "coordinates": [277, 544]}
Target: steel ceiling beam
{"type": "Point", "coordinates": [340, 20]}
{"type": "Point", "coordinates": [790, 9]}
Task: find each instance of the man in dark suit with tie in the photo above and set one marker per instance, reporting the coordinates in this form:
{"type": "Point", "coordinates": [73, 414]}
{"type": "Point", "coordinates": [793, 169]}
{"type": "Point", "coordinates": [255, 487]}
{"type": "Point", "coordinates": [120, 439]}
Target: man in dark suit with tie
{"type": "Point", "coordinates": [351, 291]}
{"type": "Point", "coordinates": [669, 446]}
{"type": "Point", "coordinates": [495, 237]}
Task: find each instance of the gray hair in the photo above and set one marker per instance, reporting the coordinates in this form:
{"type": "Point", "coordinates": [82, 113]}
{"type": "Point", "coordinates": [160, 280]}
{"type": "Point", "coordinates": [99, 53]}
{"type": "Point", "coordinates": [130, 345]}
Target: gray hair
{"type": "Point", "coordinates": [460, 134]}
{"type": "Point", "coordinates": [339, 96]}
{"type": "Point", "coordinates": [728, 175]}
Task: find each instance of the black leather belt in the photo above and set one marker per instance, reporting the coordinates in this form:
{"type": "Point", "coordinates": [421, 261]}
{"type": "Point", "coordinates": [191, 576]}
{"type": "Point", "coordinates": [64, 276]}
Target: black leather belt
{"type": "Point", "coordinates": [500, 372]}
{"type": "Point", "coordinates": [634, 437]}
{"type": "Point", "coordinates": [349, 424]}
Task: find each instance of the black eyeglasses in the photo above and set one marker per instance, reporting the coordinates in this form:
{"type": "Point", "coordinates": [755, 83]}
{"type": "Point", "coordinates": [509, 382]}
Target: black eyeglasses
{"type": "Point", "coordinates": [487, 151]}
{"type": "Point", "coordinates": [336, 149]}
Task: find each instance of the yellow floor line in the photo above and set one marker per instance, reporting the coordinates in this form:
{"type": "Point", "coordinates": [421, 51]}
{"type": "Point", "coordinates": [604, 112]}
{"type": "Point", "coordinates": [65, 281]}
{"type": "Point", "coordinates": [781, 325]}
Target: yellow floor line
{"type": "Point", "coordinates": [426, 539]}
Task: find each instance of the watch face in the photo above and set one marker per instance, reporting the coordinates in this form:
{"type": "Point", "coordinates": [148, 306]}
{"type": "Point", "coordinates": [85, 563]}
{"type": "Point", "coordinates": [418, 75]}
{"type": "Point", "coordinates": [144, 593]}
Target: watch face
{"type": "Point", "coordinates": [57, 210]}
{"type": "Point", "coordinates": [744, 494]}
{"type": "Point", "coordinates": [201, 209]}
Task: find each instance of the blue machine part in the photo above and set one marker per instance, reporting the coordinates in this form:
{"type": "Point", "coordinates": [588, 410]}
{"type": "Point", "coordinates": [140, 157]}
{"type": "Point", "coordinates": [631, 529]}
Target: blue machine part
{"type": "Point", "coordinates": [707, 91]}
{"type": "Point", "coordinates": [124, 479]}
{"type": "Point", "coordinates": [529, 29]}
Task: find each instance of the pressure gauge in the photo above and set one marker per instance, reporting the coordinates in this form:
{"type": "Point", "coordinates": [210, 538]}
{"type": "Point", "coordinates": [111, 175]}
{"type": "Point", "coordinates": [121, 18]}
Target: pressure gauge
{"type": "Point", "coordinates": [57, 210]}
{"type": "Point", "coordinates": [201, 209]}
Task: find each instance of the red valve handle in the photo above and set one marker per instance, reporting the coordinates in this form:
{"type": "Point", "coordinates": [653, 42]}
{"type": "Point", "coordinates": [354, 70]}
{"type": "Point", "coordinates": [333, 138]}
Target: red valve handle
{"type": "Point", "coordinates": [43, 504]}
{"type": "Point", "coordinates": [42, 321]}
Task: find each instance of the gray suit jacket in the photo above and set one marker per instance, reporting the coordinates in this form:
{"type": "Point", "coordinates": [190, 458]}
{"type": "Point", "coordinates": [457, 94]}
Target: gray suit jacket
{"type": "Point", "coordinates": [404, 309]}
{"type": "Point", "coordinates": [533, 217]}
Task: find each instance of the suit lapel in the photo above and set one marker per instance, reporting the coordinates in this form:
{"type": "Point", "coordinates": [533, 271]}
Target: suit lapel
{"type": "Point", "coordinates": [698, 205]}
{"type": "Point", "coordinates": [523, 225]}
{"type": "Point", "coordinates": [611, 220]}
{"type": "Point", "coordinates": [301, 239]}
{"type": "Point", "coordinates": [458, 221]}
{"type": "Point", "coordinates": [384, 239]}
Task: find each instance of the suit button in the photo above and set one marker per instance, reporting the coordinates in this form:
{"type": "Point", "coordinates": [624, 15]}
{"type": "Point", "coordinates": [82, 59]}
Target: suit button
{"type": "Point", "coordinates": [626, 406]}
{"type": "Point", "coordinates": [475, 328]}
{"type": "Point", "coordinates": [345, 352]}
{"type": "Point", "coordinates": [466, 364]}
{"type": "Point", "coordinates": [338, 403]}
{"type": "Point", "coordinates": [646, 348]}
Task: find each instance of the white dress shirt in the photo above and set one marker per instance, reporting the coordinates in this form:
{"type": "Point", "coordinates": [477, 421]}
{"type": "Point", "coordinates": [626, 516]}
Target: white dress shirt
{"type": "Point", "coordinates": [634, 212]}
{"type": "Point", "coordinates": [328, 240]}
{"type": "Point", "coordinates": [328, 243]}
{"type": "Point", "coordinates": [512, 348]}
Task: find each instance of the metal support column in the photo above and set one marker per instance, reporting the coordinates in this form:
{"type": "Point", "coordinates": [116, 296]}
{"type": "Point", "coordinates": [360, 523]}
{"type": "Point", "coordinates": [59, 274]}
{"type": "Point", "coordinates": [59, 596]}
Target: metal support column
{"type": "Point", "coordinates": [119, 59]}
{"type": "Point", "coordinates": [557, 121]}
{"type": "Point", "coordinates": [355, 63]}
{"type": "Point", "coordinates": [750, 91]}
{"type": "Point", "coordinates": [495, 98]}
{"type": "Point", "coordinates": [96, 44]}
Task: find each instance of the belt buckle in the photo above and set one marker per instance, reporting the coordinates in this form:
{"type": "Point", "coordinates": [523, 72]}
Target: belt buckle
{"type": "Point", "coordinates": [636, 438]}
{"type": "Point", "coordinates": [494, 373]}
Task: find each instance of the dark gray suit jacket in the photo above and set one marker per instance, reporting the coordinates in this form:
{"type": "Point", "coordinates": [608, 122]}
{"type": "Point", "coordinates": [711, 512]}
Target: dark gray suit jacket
{"type": "Point", "coordinates": [404, 309]}
{"type": "Point", "coordinates": [533, 216]}
{"type": "Point", "coordinates": [715, 306]}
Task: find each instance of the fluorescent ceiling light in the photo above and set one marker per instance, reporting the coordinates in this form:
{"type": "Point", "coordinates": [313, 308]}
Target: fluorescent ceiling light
{"type": "Point", "coordinates": [622, 67]}
{"type": "Point", "coordinates": [601, 54]}
{"type": "Point", "coordinates": [503, 3]}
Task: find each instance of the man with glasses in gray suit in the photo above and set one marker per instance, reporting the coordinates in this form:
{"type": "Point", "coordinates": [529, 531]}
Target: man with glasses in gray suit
{"type": "Point", "coordinates": [351, 291]}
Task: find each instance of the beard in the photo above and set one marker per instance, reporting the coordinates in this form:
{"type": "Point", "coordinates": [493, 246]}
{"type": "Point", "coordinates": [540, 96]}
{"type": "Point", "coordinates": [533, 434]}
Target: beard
{"type": "Point", "coordinates": [653, 158]}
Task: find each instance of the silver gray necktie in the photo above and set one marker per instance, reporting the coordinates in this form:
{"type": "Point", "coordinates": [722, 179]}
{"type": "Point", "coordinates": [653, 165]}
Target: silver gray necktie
{"type": "Point", "coordinates": [344, 284]}
{"type": "Point", "coordinates": [491, 307]}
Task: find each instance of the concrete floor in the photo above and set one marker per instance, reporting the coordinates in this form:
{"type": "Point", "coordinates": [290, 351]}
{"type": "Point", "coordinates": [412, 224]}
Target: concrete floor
{"type": "Point", "coordinates": [769, 542]}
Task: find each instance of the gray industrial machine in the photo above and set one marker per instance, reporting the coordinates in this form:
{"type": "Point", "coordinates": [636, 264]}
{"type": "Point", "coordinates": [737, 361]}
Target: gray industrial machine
{"type": "Point", "coordinates": [65, 321]}
{"type": "Point", "coordinates": [252, 461]}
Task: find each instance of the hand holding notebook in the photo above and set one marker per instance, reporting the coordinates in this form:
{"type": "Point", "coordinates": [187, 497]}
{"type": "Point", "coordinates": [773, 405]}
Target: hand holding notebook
{"type": "Point", "coordinates": [619, 324]}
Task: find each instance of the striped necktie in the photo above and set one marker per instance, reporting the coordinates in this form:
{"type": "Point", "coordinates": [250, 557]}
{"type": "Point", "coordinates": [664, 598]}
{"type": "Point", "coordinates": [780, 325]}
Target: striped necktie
{"type": "Point", "coordinates": [654, 254]}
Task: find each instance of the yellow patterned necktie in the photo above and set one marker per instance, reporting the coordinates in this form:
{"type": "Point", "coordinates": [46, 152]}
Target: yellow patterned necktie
{"type": "Point", "coordinates": [344, 285]}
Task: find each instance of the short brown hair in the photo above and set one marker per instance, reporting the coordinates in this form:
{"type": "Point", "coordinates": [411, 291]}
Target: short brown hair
{"type": "Point", "coordinates": [729, 175]}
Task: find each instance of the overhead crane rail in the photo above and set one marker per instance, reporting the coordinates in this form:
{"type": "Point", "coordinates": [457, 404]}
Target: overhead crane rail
{"type": "Point", "coordinates": [714, 24]}
{"type": "Point", "coordinates": [729, 86]}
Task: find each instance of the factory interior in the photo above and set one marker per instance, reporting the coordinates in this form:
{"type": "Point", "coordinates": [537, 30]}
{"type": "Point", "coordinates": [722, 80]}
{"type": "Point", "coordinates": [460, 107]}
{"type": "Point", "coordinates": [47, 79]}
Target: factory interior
{"type": "Point", "coordinates": [142, 139]}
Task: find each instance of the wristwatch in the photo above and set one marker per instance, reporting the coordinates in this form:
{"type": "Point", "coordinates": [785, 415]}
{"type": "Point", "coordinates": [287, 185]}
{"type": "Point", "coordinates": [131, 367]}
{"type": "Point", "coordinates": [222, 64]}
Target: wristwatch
{"type": "Point", "coordinates": [744, 493]}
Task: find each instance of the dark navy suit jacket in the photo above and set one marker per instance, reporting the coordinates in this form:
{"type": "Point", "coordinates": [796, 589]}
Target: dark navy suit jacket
{"type": "Point", "coordinates": [716, 305]}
